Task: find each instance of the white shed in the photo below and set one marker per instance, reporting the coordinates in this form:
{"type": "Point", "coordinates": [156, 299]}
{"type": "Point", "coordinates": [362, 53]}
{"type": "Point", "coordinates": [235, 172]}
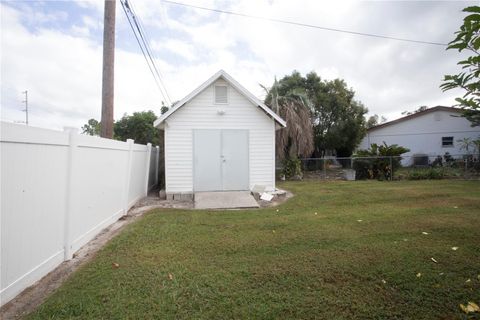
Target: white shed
{"type": "Point", "coordinates": [220, 137]}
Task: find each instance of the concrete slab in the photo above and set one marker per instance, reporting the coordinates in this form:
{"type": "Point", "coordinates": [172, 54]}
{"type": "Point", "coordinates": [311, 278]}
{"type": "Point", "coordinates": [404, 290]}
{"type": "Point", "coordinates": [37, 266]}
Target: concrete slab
{"type": "Point", "coordinates": [225, 200]}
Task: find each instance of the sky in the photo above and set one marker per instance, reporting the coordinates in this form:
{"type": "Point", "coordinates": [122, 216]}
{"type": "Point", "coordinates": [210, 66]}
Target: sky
{"type": "Point", "coordinates": [53, 49]}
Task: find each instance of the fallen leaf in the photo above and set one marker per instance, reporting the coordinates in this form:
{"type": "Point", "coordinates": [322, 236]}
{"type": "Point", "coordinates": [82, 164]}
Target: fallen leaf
{"type": "Point", "coordinates": [474, 306]}
{"type": "Point", "coordinates": [468, 281]}
{"type": "Point", "coordinates": [115, 265]}
{"type": "Point", "coordinates": [419, 275]}
{"type": "Point", "coordinates": [170, 276]}
{"type": "Point", "coordinates": [425, 233]}
{"type": "Point", "coordinates": [434, 260]}
{"type": "Point", "coordinates": [454, 248]}
{"type": "Point", "coordinates": [470, 307]}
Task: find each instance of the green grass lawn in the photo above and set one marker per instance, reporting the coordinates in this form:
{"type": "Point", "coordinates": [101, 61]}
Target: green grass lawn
{"type": "Point", "coordinates": [311, 258]}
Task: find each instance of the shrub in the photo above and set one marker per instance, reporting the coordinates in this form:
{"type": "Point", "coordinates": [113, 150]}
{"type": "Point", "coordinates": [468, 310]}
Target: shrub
{"type": "Point", "coordinates": [363, 169]}
{"type": "Point", "coordinates": [384, 160]}
{"type": "Point", "coordinates": [449, 160]}
{"type": "Point", "coordinates": [438, 162]}
{"type": "Point", "coordinates": [292, 167]}
{"type": "Point", "coordinates": [425, 174]}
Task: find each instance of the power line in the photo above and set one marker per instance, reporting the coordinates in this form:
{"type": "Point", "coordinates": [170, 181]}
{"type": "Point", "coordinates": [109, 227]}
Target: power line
{"type": "Point", "coordinates": [144, 36]}
{"type": "Point", "coordinates": [143, 47]}
{"type": "Point", "coordinates": [300, 24]}
{"type": "Point", "coordinates": [145, 50]}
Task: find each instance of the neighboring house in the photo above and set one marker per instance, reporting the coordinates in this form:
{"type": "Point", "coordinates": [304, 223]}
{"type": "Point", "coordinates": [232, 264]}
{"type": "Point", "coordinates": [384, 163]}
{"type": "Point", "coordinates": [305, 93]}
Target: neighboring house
{"type": "Point", "coordinates": [432, 132]}
{"type": "Point", "coordinates": [218, 138]}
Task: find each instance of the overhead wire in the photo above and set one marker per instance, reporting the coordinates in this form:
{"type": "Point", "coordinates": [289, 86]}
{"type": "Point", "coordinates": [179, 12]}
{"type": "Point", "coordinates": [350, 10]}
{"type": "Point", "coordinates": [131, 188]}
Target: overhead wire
{"type": "Point", "coordinates": [143, 48]}
{"type": "Point", "coordinates": [150, 52]}
{"type": "Point", "coordinates": [300, 24]}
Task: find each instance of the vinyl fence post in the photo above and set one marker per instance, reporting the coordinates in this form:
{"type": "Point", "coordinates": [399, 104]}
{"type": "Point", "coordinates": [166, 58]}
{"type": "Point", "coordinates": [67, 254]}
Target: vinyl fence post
{"type": "Point", "coordinates": [72, 150]}
{"type": "Point", "coordinates": [147, 167]}
{"type": "Point", "coordinates": [157, 160]}
{"type": "Point", "coordinates": [128, 171]}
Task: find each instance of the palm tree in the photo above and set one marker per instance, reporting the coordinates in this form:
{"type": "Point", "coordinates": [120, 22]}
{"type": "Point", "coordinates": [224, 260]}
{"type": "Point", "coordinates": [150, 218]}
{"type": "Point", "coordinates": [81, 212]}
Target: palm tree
{"type": "Point", "coordinates": [465, 144]}
{"type": "Point", "coordinates": [296, 140]}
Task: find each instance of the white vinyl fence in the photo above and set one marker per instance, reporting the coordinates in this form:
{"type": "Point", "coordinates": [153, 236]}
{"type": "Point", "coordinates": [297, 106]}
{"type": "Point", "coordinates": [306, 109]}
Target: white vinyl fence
{"type": "Point", "coordinates": [58, 191]}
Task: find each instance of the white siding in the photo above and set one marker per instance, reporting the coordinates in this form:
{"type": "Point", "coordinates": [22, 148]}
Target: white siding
{"type": "Point", "coordinates": [423, 134]}
{"type": "Point", "coordinates": [201, 113]}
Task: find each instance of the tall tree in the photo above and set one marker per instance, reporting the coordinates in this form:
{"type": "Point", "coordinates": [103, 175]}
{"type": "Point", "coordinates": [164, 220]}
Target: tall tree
{"type": "Point", "coordinates": [337, 118]}
{"type": "Point", "coordinates": [296, 140]}
{"type": "Point", "coordinates": [375, 120]}
{"type": "Point", "coordinates": [468, 39]}
{"type": "Point", "coordinates": [138, 126]}
{"type": "Point", "coordinates": [417, 110]}
{"type": "Point", "coordinates": [92, 128]}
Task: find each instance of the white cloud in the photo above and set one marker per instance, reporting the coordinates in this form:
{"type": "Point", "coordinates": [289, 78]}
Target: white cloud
{"type": "Point", "coordinates": [177, 47]}
{"type": "Point", "coordinates": [92, 23]}
{"type": "Point", "coordinates": [63, 76]}
{"type": "Point", "coordinates": [62, 68]}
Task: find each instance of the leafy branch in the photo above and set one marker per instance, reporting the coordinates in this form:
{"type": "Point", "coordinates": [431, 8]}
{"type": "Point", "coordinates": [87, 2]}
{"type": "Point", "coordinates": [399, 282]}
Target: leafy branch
{"type": "Point", "coordinates": [467, 38]}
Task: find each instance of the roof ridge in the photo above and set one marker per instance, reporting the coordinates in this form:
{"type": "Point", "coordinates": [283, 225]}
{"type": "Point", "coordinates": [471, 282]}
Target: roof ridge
{"type": "Point", "coordinates": [414, 115]}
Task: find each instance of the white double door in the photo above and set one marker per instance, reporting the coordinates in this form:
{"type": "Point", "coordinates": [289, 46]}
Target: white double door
{"type": "Point", "coordinates": [220, 159]}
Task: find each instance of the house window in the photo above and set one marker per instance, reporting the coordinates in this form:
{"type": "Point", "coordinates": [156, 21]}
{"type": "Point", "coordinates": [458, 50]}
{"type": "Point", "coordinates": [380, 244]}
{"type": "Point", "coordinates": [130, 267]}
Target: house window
{"type": "Point", "coordinates": [221, 96]}
{"type": "Point", "coordinates": [447, 141]}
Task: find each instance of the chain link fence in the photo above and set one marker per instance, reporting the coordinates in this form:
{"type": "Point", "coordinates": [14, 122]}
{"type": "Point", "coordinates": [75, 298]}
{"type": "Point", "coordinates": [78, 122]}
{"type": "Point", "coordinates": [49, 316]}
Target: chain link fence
{"type": "Point", "coordinates": [462, 166]}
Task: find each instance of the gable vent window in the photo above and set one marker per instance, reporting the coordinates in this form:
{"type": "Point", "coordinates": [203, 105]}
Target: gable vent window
{"type": "Point", "coordinates": [447, 141]}
{"type": "Point", "coordinates": [221, 94]}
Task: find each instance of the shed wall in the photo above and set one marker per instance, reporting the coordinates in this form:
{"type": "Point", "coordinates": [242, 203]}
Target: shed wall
{"type": "Point", "coordinates": [202, 113]}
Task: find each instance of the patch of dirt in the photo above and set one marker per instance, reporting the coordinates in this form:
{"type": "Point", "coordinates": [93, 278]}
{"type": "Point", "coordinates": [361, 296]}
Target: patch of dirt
{"type": "Point", "coordinates": [35, 295]}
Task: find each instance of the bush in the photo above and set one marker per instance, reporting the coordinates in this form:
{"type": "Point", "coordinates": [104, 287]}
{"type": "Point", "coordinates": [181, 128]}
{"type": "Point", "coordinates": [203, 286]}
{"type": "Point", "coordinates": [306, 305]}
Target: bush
{"type": "Point", "coordinates": [292, 167]}
{"type": "Point", "coordinates": [425, 174]}
{"type": "Point", "coordinates": [449, 160]}
{"type": "Point", "coordinates": [438, 162]}
{"type": "Point", "coordinates": [385, 159]}
{"type": "Point", "coordinates": [363, 169]}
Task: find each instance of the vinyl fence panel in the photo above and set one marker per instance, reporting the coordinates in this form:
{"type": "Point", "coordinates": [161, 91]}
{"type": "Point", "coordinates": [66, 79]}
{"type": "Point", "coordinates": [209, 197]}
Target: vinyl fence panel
{"type": "Point", "coordinates": [58, 191]}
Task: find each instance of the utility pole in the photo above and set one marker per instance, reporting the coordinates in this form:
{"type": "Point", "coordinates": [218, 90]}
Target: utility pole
{"type": "Point", "coordinates": [106, 129]}
{"type": "Point", "coordinates": [26, 106]}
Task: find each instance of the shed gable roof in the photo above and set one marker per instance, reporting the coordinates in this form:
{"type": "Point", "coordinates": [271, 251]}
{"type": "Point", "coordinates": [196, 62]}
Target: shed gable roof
{"type": "Point", "coordinates": [233, 83]}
